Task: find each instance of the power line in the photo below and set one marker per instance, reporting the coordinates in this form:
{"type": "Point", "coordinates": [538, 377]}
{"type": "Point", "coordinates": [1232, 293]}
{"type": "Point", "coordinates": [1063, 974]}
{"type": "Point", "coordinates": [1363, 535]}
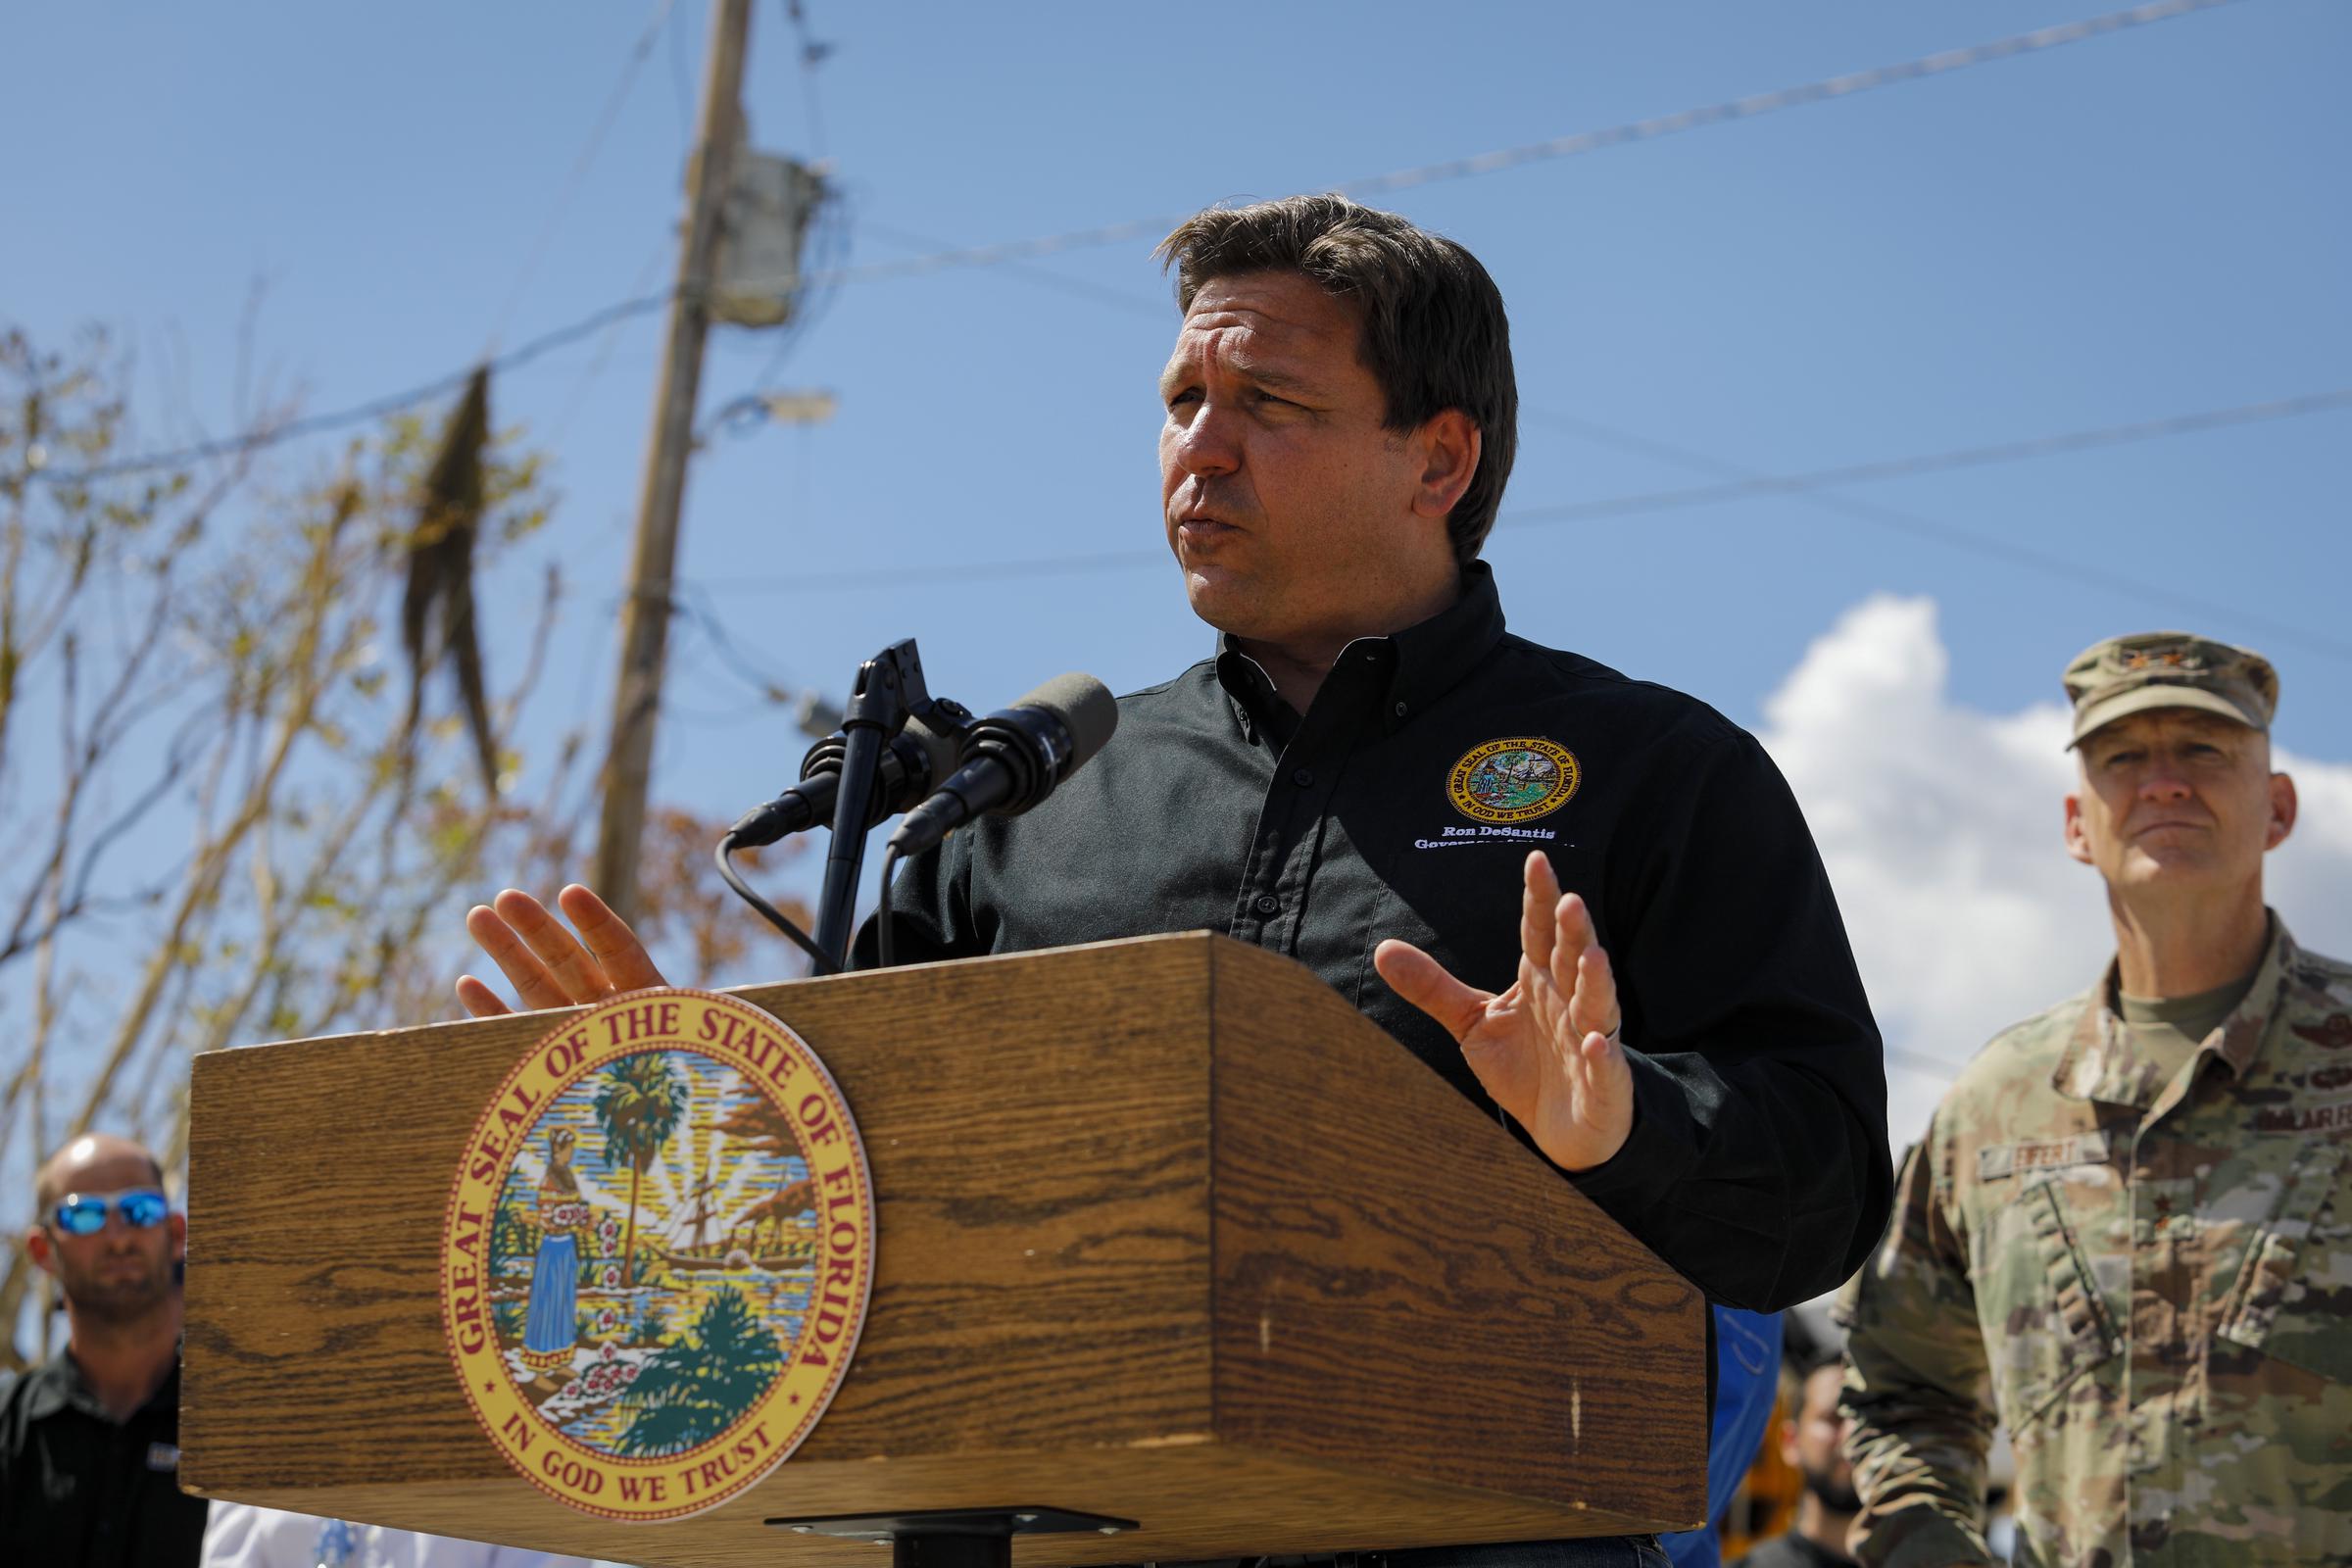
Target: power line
{"type": "Point", "coordinates": [681, 90]}
{"type": "Point", "coordinates": [1921, 1062]}
{"type": "Point", "coordinates": [771, 688]}
{"type": "Point", "coordinates": [1762, 484]}
{"type": "Point", "coordinates": [1813, 92]}
{"type": "Point", "coordinates": [602, 356]}
{"type": "Point", "coordinates": [827, 240]}
{"type": "Point", "coordinates": [358, 414]}
{"type": "Point", "coordinates": [1920, 527]}
{"type": "Point", "coordinates": [1582, 143]}
{"type": "Point", "coordinates": [2077, 574]}
{"type": "Point", "coordinates": [597, 133]}
{"type": "Point", "coordinates": [813, 52]}
{"type": "Point", "coordinates": [1808, 487]}
{"type": "Point", "coordinates": [1805, 486]}
{"type": "Point", "coordinates": [972, 571]}
{"type": "Point", "coordinates": [1162, 310]}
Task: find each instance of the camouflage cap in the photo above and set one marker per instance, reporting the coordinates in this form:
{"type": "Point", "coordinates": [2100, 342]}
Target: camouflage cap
{"type": "Point", "coordinates": [2168, 670]}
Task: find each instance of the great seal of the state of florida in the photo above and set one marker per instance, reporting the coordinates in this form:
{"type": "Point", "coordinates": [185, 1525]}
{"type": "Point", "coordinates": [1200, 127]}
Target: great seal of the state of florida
{"type": "Point", "coordinates": [657, 1253]}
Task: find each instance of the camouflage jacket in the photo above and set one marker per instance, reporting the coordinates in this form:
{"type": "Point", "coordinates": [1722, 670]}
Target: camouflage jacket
{"type": "Point", "coordinates": [2157, 1304]}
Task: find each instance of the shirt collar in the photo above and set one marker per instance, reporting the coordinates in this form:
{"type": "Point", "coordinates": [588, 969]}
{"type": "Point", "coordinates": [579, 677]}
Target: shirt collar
{"type": "Point", "coordinates": [2100, 1063]}
{"type": "Point", "coordinates": [1433, 658]}
{"type": "Point", "coordinates": [57, 1383]}
{"type": "Point", "coordinates": [1421, 662]}
{"type": "Point", "coordinates": [1249, 693]}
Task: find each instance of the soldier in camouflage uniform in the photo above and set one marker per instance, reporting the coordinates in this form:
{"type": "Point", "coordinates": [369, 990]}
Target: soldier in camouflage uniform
{"type": "Point", "coordinates": [2128, 1233]}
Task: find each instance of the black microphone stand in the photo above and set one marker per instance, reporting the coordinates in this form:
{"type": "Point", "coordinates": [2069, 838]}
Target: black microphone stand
{"type": "Point", "coordinates": [889, 687]}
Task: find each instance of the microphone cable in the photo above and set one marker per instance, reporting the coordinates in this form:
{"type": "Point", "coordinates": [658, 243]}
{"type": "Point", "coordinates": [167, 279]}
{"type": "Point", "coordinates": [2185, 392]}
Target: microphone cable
{"type": "Point", "coordinates": [774, 915]}
{"type": "Point", "coordinates": [882, 917]}
{"type": "Point", "coordinates": [925, 749]}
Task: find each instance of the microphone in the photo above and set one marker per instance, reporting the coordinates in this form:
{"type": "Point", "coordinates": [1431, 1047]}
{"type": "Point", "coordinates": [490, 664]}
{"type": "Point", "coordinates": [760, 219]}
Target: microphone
{"type": "Point", "coordinates": [917, 759]}
{"type": "Point", "coordinates": [1014, 759]}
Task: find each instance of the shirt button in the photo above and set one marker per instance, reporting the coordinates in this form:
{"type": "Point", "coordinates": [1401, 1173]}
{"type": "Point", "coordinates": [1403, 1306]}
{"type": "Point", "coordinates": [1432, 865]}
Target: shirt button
{"type": "Point", "coordinates": [1304, 777]}
{"type": "Point", "coordinates": [1268, 904]}
{"type": "Point", "coordinates": [1399, 710]}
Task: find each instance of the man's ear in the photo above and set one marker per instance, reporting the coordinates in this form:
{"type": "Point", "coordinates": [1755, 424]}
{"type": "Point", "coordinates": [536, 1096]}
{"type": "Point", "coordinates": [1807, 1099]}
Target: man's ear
{"type": "Point", "coordinates": [37, 1248]}
{"type": "Point", "coordinates": [1789, 1455]}
{"type": "Point", "coordinates": [2283, 806]}
{"type": "Point", "coordinates": [177, 1224]}
{"type": "Point", "coordinates": [2078, 841]}
{"type": "Point", "coordinates": [1450, 444]}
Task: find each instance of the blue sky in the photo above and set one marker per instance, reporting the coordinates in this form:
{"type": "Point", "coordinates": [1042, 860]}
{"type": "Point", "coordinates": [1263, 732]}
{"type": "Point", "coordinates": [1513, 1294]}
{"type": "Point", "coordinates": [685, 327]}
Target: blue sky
{"type": "Point", "coordinates": [2144, 224]}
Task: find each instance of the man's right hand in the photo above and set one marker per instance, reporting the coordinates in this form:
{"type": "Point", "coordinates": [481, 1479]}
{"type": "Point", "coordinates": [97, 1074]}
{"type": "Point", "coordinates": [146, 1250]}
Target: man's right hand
{"type": "Point", "coordinates": [550, 966]}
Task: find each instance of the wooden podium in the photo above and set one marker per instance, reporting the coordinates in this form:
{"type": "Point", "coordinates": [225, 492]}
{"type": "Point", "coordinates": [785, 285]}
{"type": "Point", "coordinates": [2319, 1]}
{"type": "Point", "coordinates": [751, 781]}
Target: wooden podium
{"type": "Point", "coordinates": [1167, 1231]}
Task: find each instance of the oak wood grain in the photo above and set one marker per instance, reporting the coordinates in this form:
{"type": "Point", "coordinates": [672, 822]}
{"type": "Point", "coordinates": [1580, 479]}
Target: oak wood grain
{"type": "Point", "coordinates": [1167, 1230]}
{"type": "Point", "coordinates": [1404, 1288]}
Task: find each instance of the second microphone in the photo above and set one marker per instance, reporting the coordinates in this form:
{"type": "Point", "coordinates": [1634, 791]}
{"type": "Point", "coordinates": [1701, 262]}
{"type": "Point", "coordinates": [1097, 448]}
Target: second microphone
{"type": "Point", "coordinates": [1015, 758]}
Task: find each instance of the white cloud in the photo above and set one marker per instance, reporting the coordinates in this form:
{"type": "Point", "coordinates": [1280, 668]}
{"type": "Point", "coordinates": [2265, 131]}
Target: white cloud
{"type": "Point", "coordinates": [1940, 828]}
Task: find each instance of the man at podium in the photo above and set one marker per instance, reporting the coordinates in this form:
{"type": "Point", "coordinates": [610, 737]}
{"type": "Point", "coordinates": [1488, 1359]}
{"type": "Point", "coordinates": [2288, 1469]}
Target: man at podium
{"type": "Point", "coordinates": [1587, 902]}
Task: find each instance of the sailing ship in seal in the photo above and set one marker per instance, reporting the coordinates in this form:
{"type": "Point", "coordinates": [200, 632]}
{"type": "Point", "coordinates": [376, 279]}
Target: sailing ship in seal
{"type": "Point", "coordinates": [775, 1235]}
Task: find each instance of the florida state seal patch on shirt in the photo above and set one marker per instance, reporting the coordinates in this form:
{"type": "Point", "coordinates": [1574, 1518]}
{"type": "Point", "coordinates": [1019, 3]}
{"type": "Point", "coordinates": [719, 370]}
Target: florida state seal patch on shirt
{"type": "Point", "coordinates": [1513, 780]}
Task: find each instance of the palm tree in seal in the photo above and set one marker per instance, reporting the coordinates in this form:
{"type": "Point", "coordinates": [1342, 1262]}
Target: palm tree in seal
{"type": "Point", "coordinates": [693, 1390]}
{"type": "Point", "coordinates": [638, 1107]}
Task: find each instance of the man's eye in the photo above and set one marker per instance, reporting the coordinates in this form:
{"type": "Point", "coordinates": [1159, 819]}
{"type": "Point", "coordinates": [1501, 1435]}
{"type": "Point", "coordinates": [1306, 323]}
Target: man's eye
{"type": "Point", "coordinates": [1188, 394]}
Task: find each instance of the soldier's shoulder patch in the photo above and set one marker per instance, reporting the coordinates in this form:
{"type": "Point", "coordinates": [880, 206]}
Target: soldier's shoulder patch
{"type": "Point", "coordinates": [2335, 1076]}
{"type": "Point", "coordinates": [2331, 1033]}
{"type": "Point", "coordinates": [2326, 983]}
{"type": "Point", "coordinates": [1516, 779]}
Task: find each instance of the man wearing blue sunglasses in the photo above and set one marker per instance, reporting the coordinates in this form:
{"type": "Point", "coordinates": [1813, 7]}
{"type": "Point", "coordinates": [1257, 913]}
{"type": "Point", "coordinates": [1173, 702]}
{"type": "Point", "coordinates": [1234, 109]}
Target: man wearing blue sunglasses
{"type": "Point", "coordinates": [89, 1441]}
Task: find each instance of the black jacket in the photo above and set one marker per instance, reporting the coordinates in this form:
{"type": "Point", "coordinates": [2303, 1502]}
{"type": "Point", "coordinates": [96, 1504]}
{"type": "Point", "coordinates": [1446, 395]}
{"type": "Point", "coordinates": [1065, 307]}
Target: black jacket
{"type": "Point", "coordinates": [1759, 1163]}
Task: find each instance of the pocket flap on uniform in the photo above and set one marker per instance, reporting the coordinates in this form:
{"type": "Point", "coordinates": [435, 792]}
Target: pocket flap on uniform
{"type": "Point", "coordinates": [2060, 1327]}
{"type": "Point", "coordinates": [2074, 1290]}
{"type": "Point", "coordinates": [2276, 1273]}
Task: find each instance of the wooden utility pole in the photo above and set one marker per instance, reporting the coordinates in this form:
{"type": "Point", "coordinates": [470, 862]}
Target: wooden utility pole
{"type": "Point", "coordinates": [645, 614]}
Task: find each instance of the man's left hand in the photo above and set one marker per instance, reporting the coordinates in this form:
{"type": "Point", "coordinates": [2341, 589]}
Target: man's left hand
{"type": "Point", "coordinates": [1546, 1050]}
{"type": "Point", "coordinates": [549, 966]}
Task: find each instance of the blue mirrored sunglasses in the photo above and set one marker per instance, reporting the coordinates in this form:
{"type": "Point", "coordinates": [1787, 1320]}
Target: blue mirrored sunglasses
{"type": "Point", "coordinates": [84, 1213]}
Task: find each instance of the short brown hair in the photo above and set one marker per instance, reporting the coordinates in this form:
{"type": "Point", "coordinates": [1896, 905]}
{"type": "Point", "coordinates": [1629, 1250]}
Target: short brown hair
{"type": "Point", "coordinates": [1434, 336]}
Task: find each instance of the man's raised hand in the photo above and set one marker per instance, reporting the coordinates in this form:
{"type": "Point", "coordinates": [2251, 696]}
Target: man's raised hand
{"type": "Point", "coordinates": [1546, 1049]}
{"type": "Point", "coordinates": [550, 966]}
